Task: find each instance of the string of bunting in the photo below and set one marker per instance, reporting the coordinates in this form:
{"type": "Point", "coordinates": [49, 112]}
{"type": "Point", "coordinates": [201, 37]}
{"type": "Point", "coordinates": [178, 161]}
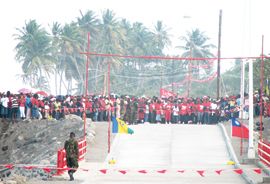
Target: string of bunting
{"type": "Point", "coordinates": [201, 172]}
{"type": "Point", "coordinates": [211, 77]}
{"type": "Point", "coordinates": [73, 110]}
{"type": "Point", "coordinates": [170, 57]}
{"type": "Point", "coordinates": [187, 78]}
{"type": "Point", "coordinates": [205, 66]}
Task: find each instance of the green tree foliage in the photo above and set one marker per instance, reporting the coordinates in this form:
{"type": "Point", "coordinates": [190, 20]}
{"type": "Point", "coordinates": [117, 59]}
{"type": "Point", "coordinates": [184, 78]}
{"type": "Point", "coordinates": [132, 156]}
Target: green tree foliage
{"type": "Point", "coordinates": [59, 52]}
{"type": "Point", "coordinates": [34, 52]}
{"type": "Point", "coordinates": [258, 72]}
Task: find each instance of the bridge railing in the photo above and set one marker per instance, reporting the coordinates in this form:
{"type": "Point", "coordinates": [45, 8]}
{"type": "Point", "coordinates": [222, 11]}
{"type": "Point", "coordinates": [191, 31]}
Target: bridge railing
{"type": "Point", "coordinates": [264, 152]}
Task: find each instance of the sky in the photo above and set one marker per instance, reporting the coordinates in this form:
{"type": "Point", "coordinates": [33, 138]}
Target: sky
{"type": "Point", "coordinates": [243, 24]}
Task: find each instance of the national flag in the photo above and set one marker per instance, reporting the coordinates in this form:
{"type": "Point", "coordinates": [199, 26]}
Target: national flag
{"type": "Point", "coordinates": [120, 126]}
{"type": "Point", "coordinates": [239, 129]}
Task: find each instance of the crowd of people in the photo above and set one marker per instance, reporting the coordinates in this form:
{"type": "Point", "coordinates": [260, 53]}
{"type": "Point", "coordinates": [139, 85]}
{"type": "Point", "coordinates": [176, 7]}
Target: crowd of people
{"type": "Point", "coordinates": [133, 110]}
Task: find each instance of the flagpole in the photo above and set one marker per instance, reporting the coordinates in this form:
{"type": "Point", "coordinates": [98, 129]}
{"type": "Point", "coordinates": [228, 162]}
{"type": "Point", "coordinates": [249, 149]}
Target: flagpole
{"type": "Point", "coordinates": [251, 151]}
{"type": "Point", "coordinates": [109, 110]}
{"type": "Point", "coordinates": [242, 100]}
{"type": "Point", "coordinates": [262, 81]}
{"type": "Point", "coordinates": [242, 90]}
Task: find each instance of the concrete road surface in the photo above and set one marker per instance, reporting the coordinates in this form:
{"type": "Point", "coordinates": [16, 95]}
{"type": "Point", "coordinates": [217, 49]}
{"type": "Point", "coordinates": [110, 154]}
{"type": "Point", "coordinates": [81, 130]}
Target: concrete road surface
{"type": "Point", "coordinates": [173, 148]}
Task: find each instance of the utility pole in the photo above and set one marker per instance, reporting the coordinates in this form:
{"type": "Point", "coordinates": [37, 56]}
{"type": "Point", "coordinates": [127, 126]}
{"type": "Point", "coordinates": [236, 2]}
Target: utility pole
{"type": "Point", "coordinates": [219, 47]}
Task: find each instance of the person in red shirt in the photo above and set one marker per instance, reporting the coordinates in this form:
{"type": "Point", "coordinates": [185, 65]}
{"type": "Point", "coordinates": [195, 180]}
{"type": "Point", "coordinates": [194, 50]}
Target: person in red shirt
{"type": "Point", "coordinates": [22, 102]}
{"type": "Point", "coordinates": [190, 111]}
{"type": "Point", "coordinates": [34, 101]}
{"type": "Point", "coordinates": [199, 111]}
{"type": "Point", "coordinates": [206, 109]}
{"type": "Point", "coordinates": [168, 112]}
{"type": "Point", "coordinates": [183, 111]}
{"type": "Point", "coordinates": [102, 110]}
{"type": "Point", "coordinates": [88, 107]}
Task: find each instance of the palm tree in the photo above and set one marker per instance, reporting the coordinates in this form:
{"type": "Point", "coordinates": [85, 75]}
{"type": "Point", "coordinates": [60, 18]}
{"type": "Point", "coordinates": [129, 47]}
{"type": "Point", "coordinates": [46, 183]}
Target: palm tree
{"type": "Point", "coordinates": [162, 40]}
{"type": "Point", "coordinates": [161, 36]}
{"type": "Point", "coordinates": [111, 35]}
{"type": "Point", "coordinates": [71, 62]}
{"type": "Point", "coordinates": [88, 23]}
{"type": "Point", "coordinates": [141, 38]}
{"type": "Point", "coordinates": [33, 51]}
{"type": "Point", "coordinates": [195, 45]}
{"type": "Point", "coordinates": [110, 38]}
{"type": "Point", "coordinates": [56, 40]}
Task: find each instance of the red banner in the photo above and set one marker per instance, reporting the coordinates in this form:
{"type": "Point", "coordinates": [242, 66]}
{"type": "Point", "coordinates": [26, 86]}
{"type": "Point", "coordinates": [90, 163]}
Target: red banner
{"type": "Point", "coordinates": [166, 93]}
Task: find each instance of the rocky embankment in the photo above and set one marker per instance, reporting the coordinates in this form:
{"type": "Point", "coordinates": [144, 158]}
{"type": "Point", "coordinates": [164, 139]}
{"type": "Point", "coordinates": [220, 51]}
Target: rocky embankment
{"type": "Point", "coordinates": [37, 141]}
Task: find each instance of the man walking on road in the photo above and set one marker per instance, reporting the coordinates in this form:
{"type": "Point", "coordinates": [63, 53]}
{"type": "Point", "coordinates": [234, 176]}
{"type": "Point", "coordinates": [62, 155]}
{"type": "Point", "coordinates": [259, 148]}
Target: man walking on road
{"type": "Point", "coordinates": [72, 154]}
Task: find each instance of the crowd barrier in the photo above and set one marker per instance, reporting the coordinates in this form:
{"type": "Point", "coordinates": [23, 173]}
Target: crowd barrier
{"type": "Point", "coordinates": [61, 156]}
{"type": "Point", "coordinates": [264, 152]}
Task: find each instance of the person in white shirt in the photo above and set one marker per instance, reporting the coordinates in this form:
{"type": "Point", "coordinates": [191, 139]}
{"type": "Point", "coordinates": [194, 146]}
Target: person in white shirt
{"type": "Point", "coordinates": [213, 114]}
{"type": "Point", "coordinates": [175, 110]}
{"type": "Point", "coordinates": [4, 109]}
{"type": "Point", "coordinates": [146, 112]}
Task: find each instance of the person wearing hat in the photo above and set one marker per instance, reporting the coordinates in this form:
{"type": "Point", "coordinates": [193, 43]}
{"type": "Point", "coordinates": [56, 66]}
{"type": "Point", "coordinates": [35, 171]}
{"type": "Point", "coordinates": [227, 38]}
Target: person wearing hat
{"type": "Point", "coordinates": [72, 155]}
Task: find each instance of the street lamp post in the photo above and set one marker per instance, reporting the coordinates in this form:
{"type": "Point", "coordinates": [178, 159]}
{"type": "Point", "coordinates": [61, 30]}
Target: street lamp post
{"type": "Point", "coordinates": [219, 47]}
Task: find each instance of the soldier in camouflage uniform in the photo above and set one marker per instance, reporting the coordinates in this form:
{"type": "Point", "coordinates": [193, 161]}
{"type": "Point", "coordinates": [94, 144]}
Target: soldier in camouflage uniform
{"type": "Point", "coordinates": [72, 154]}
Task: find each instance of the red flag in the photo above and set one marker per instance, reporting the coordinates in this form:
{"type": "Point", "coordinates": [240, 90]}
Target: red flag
{"type": "Point", "coordinates": [104, 171]}
{"type": "Point", "coordinates": [218, 171]}
{"type": "Point", "coordinates": [9, 166]}
{"type": "Point", "coordinates": [238, 171]}
{"type": "Point", "coordinates": [239, 129]}
{"type": "Point", "coordinates": [142, 171]}
{"type": "Point", "coordinates": [201, 172]}
{"type": "Point", "coordinates": [258, 170]}
{"type": "Point", "coordinates": [166, 93]}
{"type": "Point", "coordinates": [28, 167]}
{"type": "Point", "coordinates": [47, 170]}
{"type": "Point", "coordinates": [162, 171]}
{"type": "Point", "coordinates": [123, 171]}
